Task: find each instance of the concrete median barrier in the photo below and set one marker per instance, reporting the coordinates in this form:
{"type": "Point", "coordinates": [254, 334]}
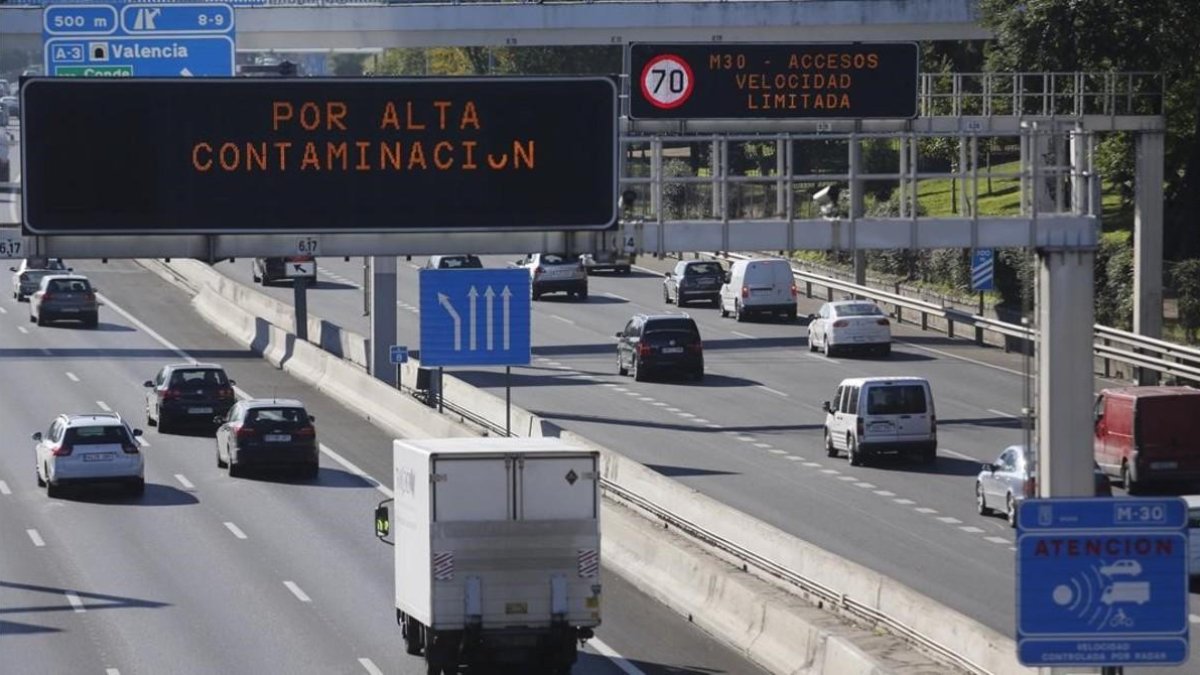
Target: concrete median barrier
{"type": "Point", "coordinates": [757, 614]}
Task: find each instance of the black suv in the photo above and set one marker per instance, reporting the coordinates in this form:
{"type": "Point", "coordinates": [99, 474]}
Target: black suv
{"type": "Point", "coordinates": [187, 392]}
{"type": "Point", "coordinates": [660, 342]}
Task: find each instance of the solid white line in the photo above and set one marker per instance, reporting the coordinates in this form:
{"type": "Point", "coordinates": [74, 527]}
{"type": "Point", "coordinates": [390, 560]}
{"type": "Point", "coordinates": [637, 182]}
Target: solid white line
{"type": "Point", "coordinates": [745, 335]}
{"type": "Point", "coordinates": [370, 666]}
{"type": "Point", "coordinates": [146, 329]}
{"type": "Point", "coordinates": [237, 531]}
{"type": "Point", "coordinates": [349, 466]}
{"type": "Point", "coordinates": [103, 406]}
{"type": "Point", "coordinates": [76, 603]}
{"type": "Point", "coordinates": [300, 595]}
{"type": "Point", "coordinates": [72, 377]}
{"type": "Point", "coordinates": [773, 391]}
{"type": "Point", "coordinates": [959, 455]}
{"type": "Point", "coordinates": [997, 540]}
{"type": "Point", "coordinates": [822, 358]}
{"type": "Point", "coordinates": [187, 484]}
{"type": "Point", "coordinates": [4, 488]}
{"type": "Point", "coordinates": [562, 319]}
{"type": "Point", "coordinates": [1001, 413]}
{"type": "Point", "coordinates": [35, 537]}
{"type": "Point", "coordinates": [23, 329]}
{"type": "Point", "coordinates": [616, 297]}
{"type": "Point", "coordinates": [960, 358]}
{"type": "Point", "coordinates": [611, 654]}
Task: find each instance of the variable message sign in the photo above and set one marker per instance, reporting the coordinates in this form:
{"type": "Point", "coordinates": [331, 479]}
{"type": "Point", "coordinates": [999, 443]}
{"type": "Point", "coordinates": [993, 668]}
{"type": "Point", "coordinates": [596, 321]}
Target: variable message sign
{"type": "Point", "coordinates": [773, 81]}
{"type": "Point", "coordinates": [313, 155]}
{"type": "Point", "coordinates": [1102, 582]}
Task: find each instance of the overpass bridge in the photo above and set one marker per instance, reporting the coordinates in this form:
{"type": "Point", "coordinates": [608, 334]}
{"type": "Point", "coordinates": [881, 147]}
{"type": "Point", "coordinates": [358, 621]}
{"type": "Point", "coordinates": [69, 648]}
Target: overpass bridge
{"type": "Point", "coordinates": [353, 24]}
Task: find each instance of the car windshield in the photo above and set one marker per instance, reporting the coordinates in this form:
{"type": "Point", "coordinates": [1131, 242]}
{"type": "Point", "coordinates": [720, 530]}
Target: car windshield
{"type": "Point", "coordinates": [68, 286]}
{"type": "Point", "coordinates": [460, 262]}
{"type": "Point", "coordinates": [276, 416]}
{"type": "Point", "coordinates": [899, 399]}
{"type": "Point", "coordinates": [700, 269]}
{"type": "Point", "coordinates": [97, 435]}
{"type": "Point", "coordinates": [859, 309]}
{"type": "Point", "coordinates": [199, 377]}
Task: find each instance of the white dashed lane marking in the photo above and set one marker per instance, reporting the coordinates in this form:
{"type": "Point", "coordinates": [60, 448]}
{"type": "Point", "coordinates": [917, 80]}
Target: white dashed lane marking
{"type": "Point", "coordinates": [187, 484]}
{"type": "Point", "coordinates": [300, 595]}
{"type": "Point", "coordinates": [72, 377]}
{"type": "Point", "coordinates": [103, 406]}
{"type": "Point", "coordinates": [4, 488]}
{"type": "Point", "coordinates": [762, 445]}
{"type": "Point", "coordinates": [235, 530]}
{"type": "Point", "coordinates": [563, 319]}
{"type": "Point", "coordinates": [370, 666]}
{"type": "Point", "coordinates": [831, 472]}
{"type": "Point", "coordinates": [905, 502]}
{"type": "Point", "coordinates": [847, 478]}
{"type": "Point", "coordinates": [997, 540]}
{"type": "Point", "coordinates": [925, 509]}
{"type": "Point", "coordinates": [76, 603]}
{"type": "Point", "coordinates": [971, 530]}
{"type": "Point", "coordinates": [867, 486]}
{"type": "Point", "coordinates": [35, 538]}
{"type": "Point", "coordinates": [885, 493]}
{"type": "Point", "coordinates": [23, 329]}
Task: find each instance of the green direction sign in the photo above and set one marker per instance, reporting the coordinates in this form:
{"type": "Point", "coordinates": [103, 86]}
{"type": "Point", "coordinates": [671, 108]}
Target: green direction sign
{"type": "Point", "coordinates": [94, 71]}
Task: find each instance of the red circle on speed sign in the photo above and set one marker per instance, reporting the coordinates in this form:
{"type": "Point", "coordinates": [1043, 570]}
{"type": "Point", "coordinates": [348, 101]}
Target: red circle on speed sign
{"type": "Point", "coordinates": [667, 81]}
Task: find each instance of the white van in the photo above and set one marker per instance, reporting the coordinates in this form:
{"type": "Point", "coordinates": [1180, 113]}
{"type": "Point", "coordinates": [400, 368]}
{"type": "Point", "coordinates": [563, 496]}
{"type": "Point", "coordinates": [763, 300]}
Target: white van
{"type": "Point", "coordinates": [881, 415]}
{"type": "Point", "coordinates": [760, 285]}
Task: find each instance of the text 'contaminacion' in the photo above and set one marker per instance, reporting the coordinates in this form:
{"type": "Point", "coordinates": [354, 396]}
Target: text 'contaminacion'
{"type": "Point", "coordinates": [434, 144]}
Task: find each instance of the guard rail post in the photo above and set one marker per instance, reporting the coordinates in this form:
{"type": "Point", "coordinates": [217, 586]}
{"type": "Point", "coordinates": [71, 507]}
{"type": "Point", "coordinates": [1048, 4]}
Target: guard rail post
{"type": "Point", "coordinates": [924, 321]}
{"type": "Point", "coordinates": [979, 328]}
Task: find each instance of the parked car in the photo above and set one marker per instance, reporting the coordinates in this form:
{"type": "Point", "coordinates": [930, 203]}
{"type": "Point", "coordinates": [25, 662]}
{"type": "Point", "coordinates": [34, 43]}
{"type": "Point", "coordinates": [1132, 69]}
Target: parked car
{"type": "Point", "coordinates": [850, 325]}
{"type": "Point", "coordinates": [872, 416]}
{"type": "Point", "coordinates": [267, 433]}
{"type": "Point", "coordinates": [1003, 484]}
{"type": "Point", "coordinates": [64, 297]}
{"type": "Point", "coordinates": [272, 270]}
{"type": "Point", "coordinates": [1148, 435]}
{"type": "Point", "coordinates": [554, 273]}
{"type": "Point", "coordinates": [92, 448]}
{"type": "Point", "coordinates": [759, 286]}
{"type": "Point", "coordinates": [660, 343]}
{"type": "Point", "coordinates": [187, 392]}
{"type": "Point", "coordinates": [693, 280]}
{"type": "Point", "coordinates": [453, 262]}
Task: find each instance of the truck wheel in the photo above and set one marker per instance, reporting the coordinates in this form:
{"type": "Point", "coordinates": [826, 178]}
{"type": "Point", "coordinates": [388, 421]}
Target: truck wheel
{"type": "Point", "coordinates": [583, 294]}
{"type": "Point", "coordinates": [721, 306]}
{"type": "Point", "coordinates": [621, 369]}
{"type": "Point", "coordinates": [413, 644]}
{"type": "Point", "coordinates": [852, 452]}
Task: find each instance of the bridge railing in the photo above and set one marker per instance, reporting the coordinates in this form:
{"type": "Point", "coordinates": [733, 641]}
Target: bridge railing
{"type": "Point", "coordinates": [1109, 344]}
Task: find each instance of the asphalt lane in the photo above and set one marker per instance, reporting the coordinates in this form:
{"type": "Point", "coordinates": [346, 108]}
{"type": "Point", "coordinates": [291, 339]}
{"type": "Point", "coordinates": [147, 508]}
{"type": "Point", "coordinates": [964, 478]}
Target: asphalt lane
{"type": "Point", "coordinates": [207, 573]}
{"type": "Point", "coordinates": [750, 434]}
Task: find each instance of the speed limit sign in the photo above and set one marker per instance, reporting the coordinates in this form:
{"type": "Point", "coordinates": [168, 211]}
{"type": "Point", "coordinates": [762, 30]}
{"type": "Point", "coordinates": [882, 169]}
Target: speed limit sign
{"type": "Point", "coordinates": [667, 81]}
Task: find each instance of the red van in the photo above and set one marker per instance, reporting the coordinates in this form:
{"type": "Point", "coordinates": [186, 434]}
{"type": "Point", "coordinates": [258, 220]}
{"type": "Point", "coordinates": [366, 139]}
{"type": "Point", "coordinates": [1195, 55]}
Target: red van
{"type": "Point", "coordinates": [1148, 434]}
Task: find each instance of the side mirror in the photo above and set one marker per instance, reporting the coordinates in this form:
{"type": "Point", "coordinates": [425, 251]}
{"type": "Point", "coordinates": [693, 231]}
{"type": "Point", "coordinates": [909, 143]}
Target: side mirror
{"type": "Point", "coordinates": [312, 418]}
{"type": "Point", "coordinates": [825, 406]}
{"type": "Point", "coordinates": [137, 432]}
{"type": "Point", "coordinates": [12, 269]}
{"type": "Point", "coordinates": [812, 317]}
{"type": "Point", "coordinates": [383, 526]}
{"type": "Point", "coordinates": [148, 384]}
{"type": "Point", "coordinates": [989, 467]}
{"type": "Point", "coordinates": [70, 269]}
{"type": "Point", "coordinates": [37, 435]}
{"type": "Point", "coordinates": [232, 382]}
{"type": "Point", "coordinates": [619, 334]}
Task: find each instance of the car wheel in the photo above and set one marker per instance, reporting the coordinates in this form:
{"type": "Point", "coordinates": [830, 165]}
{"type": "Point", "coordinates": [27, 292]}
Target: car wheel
{"type": "Point", "coordinates": [639, 375]}
{"type": "Point", "coordinates": [537, 295]}
{"type": "Point", "coordinates": [621, 369]}
{"type": "Point", "coordinates": [583, 294]}
{"type": "Point", "coordinates": [1010, 509]}
{"type": "Point", "coordinates": [52, 490]}
{"type": "Point", "coordinates": [412, 636]}
{"type": "Point", "coordinates": [812, 341]}
{"type": "Point", "coordinates": [981, 500]}
{"type": "Point", "coordinates": [1131, 486]}
{"type": "Point", "coordinates": [164, 425]}
{"type": "Point", "coordinates": [235, 471]}
{"type": "Point", "coordinates": [137, 488]}
{"type": "Point", "coordinates": [150, 421]}
{"type": "Point", "coordinates": [826, 347]}
{"type": "Point", "coordinates": [886, 350]}
{"type": "Point", "coordinates": [852, 452]}
{"type": "Point", "coordinates": [312, 471]}
{"type": "Point", "coordinates": [737, 311]}
{"type": "Point", "coordinates": [929, 455]}
{"type": "Point", "coordinates": [92, 321]}
{"type": "Point", "coordinates": [830, 450]}
{"type": "Point", "coordinates": [221, 464]}
{"type": "Point", "coordinates": [715, 302]}
{"type": "Point", "coordinates": [698, 375]}
{"type": "Point", "coordinates": [40, 482]}
{"type": "Point", "coordinates": [33, 319]}
{"type": "Point", "coordinates": [791, 314]}
{"type": "Point", "coordinates": [721, 306]}
{"type": "Point", "coordinates": [666, 296]}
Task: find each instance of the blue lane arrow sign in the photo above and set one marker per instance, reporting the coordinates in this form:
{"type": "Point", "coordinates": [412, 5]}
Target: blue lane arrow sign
{"type": "Point", "coordinates": [498, 333]}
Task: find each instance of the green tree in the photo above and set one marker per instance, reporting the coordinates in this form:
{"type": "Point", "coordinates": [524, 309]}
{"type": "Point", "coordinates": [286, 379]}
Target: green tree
{"type": "Point", "coordinates": [1185, 277]}
{"type": "Point", "coordinates": [1126, 36]}
{"type": "Point", "coordinates": [346, 65]}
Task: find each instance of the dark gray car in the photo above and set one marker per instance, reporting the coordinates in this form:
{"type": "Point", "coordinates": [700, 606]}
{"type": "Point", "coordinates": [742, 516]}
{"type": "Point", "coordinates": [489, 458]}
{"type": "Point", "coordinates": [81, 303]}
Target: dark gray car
{"type": "Point", "coordinates": [64, 297]}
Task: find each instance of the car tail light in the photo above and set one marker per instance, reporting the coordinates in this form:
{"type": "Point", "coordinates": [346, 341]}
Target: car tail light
{"type": "Point", "coordinates": [795, 292]}
{"type": "Point", "coordinates": [130, 449]}
{"type": "Point", "coordinates": [89, 296]}
{"type": "Point", "coordinates": [170, 394]}
{"type": "Point", "coordinates": [841, 323]}
{"type": "Point", "coordinates": [47, 296]}
{"type": "Point", "coordinates": [244, 432]}
{"type": "Point", "coordinates": [745, 291]}
{"type": "Point", "coordinates": [1031, 486]}
{"type": "Point", "coordinates": [883, 322]}
{"type": "Point", "coordinates": [643, 349]}
{"type": "Point", "coordinates": [225, 392]}
{"type": "Point", "coordinates": [696, 347]}
{"type": "Point", "coordinates": [306, 432]}
{"type": "Point", "coordinates": [62, 450]}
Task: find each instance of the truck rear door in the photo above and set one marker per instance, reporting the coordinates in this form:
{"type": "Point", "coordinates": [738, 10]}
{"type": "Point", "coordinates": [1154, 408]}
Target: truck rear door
{"type": "Point", "coordinates": [557, 488]}
{"type": "Point", "coordinates": [472, 489]}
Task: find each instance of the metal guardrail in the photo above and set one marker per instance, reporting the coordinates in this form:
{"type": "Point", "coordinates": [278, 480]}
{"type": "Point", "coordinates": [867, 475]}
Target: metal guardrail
{"type": "Point", "coordinates": [1164, 357]}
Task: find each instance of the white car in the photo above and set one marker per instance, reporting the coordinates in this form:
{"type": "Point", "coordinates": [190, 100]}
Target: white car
{"type": "Point", "coordinates": [850, 324]}
{"type": "Point", "coordinates": [27, 276]}
{"type": "Point", "coordinates": [92, 448]}
{"type": "Point", "coordinates": [554, 273]}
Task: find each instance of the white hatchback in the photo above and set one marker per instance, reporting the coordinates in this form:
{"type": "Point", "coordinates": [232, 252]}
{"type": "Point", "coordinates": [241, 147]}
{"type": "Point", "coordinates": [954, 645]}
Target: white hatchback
{"type": "Point", "coordinates": [93, 448]}
{"type": "Point", "coordinates": [850, 324]}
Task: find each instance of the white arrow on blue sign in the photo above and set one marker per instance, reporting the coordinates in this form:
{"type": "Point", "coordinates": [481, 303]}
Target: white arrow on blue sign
{"type": "Point", "coordinates": [475, 317]}
{"type": "Point", "coordinates": [983, 268]}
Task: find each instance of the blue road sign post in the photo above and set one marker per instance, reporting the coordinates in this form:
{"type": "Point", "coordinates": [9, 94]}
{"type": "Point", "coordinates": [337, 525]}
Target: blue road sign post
{"type": "Point", "coordinates": [1102, 582]}
{"type": "Point", "coordinates": [983, 269]}
{"type": "Point", "coordinates": [398, 354]}
{"type": "Point", "coordinates": [475, 317]}
{"type": "Point", "coordinates": [139, 40]}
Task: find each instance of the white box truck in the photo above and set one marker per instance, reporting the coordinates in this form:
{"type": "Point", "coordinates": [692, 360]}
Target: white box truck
{"type": "Point", "coordinates": [497, 552]}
